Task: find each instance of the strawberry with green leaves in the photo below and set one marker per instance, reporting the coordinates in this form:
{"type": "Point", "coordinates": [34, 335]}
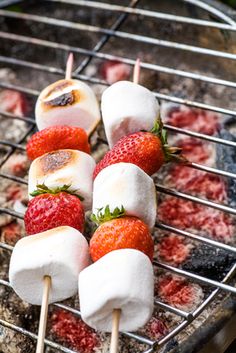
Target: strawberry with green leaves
{"type": "Point", "coordinates": [118, 231]}
{"type": "Point", "coordinates": [148, 150]}
{"type": "Point", "coordinates": [51, 208]}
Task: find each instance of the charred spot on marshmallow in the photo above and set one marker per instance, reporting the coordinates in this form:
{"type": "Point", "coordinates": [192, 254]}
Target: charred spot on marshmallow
{"type": "Point", "coordinates": [62, 100]}
{"type": "Point", "coordinates": [55, 160]}
{"type": "Point", "coordinates": [61, 94]}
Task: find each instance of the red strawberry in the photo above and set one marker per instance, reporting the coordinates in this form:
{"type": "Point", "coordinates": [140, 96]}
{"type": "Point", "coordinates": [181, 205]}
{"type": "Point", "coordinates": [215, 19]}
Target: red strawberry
{"type": "Point", "coordinates": [148, 150]}
{"type": "Point", "coordinates": [121, 233]}
{"type": "Point", "coordinates": [51, 209]}
{"type": "Point", "coordinates": [55, 138]}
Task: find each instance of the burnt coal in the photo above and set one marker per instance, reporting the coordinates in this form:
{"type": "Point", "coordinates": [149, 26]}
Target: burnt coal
{"type": "Point", "coordinates": [227, 157]}
{"type": "Point", "coordinates": [210, 262]}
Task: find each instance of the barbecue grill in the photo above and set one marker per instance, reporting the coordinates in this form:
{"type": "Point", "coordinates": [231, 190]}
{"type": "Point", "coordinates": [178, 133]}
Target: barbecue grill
{"type": "Point", "coordinates": [35, 41]}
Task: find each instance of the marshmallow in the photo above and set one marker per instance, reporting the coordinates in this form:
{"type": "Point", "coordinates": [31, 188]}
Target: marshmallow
{"type": "Point", "coordinates": [125, 184]}
{"type": "Point", "coordinates": [122, 279]}
{"type": "Point", "coordinates": [62, 167]}
{"type": "Point", "coordinates": [67, 102]}
{"type": "Point", "coordinates": [126, 108]}
{"type": "Point", "coordinates": [60, 253]}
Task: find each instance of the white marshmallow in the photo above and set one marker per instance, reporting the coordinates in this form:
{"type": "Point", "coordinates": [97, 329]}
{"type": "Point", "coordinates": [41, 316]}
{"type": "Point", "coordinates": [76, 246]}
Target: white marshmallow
{"type": "Point", "coordinates": [67, 102]}
{"type": "Point", "coordinates": [122, 279]}
{"type": "Point", "coordinates": [60, 253]}
{"type": "Point", "coordinates": [126, 108]}
{"type": "Point", "coordinates": [61, 167]}
{"type": "Point", "coordinates": [125, 184]}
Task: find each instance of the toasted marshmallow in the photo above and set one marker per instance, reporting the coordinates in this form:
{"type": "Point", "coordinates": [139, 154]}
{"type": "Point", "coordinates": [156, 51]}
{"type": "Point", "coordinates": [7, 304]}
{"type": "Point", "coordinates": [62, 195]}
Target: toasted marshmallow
{"type": "Point", "coordinates": [60, 253]}
{"type": "Point", "coordinates": [64, 167]}
{"type": "Point", "coordinates": [67, 102]}
{"type": "Point", "coordinates": [126, 108]}
{"type": "Point", "coordinates": [122, 279]}
{"type": "Point", "coordinates": [125, 184]}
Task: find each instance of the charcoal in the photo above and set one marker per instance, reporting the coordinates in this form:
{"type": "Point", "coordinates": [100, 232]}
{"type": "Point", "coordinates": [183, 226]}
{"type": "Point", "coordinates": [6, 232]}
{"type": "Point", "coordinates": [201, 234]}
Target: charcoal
{"type": "Point", "coordinates": [226, 157]}
{"type": "Point", "coordinates": [210, 262]}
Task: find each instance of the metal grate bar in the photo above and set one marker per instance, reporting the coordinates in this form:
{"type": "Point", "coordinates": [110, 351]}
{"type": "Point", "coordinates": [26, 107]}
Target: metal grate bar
{"type": "Point", "coordinates": [167, 191]}
{"type": "Point", "coordinates": [199, 135]}
{"type": "Point", "coordinates": [14, 116]}
{"type": "Point", "coordinates": [166, 126]}
{"type": "Point", "coordinates": [158, 95]}
{"type": "Point", "coordinates": [11, 213]}
{"type": "Point", "coordinates": [34, 336]}
{"type": "Point", "coordinates": [188, 197]}
{"type": "Point", "coordinates": [142, 339]}
{"type": "Point", "coordinates": [107, 33]}
{"type": "Point", "coordinates": [148, 13]}
{"type": "Point", "coordinates": [212, 10]}
{"type": "Point", "coordinates": [118, 34]}
{"type": "Point", "coordinates": [12, 144]}
{"type": "Point", "coordinates": [105, 38]}
{"type": "Point", "coordinates": [77, 312]}
{"type": "Point", "coordinates": [196, 237]}
{"type": "Point", "coordinates": [11, 151]}
{"type": "Point", "coordinates": [203, 280]}
{"type": "Point", "coordinates": [211, 170]}
{"type": "Point", "coordinates": [145, 65]}
{"type": "Point", "coordinates": [198, 311]}
{"type": "Point", "coordinates": [228, 277]}
{"type": "Point", "coordinates": [13, 178]}
{"type": "Point", "coordinates": [164, 306]}
{"type": "Point", "coordinates": [6, 246]}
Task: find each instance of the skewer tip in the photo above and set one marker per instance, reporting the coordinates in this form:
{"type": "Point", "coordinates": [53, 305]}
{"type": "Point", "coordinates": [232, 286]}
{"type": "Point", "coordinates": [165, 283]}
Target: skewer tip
{"type": "Point", "coordinates": [69, 66]}
{"type": "Point", "coordinates": [136, 72]}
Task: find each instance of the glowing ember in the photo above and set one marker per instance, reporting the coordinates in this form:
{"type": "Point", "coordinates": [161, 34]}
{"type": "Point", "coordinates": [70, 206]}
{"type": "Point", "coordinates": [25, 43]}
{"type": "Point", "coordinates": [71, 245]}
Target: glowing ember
{"type": "Point", "coordinates": [186, 214]}
{"type": "Point", "coordinates": [194, 119]}
{"type": "Point", "coordinates": [72, 330]}
{"type": "Point", "coordinates": [156, 328]}
{"type": "Point", "coordinates": [17, 165]}
{"type": "Point", "coordinates": [16, 192]}
{"type": "Point", "coordinates": [11, 233]}
{"type": "Point", "coordinates": [173, 249]}
{"type": "Point", "coordinates": [197, 151]}
{"type": "Point", "coordinates": [177, 291]}
{"type": "Point", "coordinates": [13, 102]}
{"type": "Point", "coordinates": [113, 71]}
{"type": "Point", "coordinates": [197, 182]}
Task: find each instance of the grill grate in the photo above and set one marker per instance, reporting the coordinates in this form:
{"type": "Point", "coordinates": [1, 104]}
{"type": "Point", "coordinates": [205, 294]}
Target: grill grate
{"type": "Point", "coordinates": [121, 14]}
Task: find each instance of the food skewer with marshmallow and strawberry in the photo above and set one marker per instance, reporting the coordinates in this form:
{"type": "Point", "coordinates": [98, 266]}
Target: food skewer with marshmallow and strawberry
{"type": "Point", "coordinates": [44, 266]}
{"type": "Point", "coordinates": [124, 206]}
{"type": "Point", "coordinates": [60, 179]}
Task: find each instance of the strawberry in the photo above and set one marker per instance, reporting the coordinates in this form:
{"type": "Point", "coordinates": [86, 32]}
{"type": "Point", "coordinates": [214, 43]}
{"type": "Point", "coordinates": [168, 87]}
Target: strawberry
{"type": "Point", "coordinates": [56, 138]}
{"type": "Point", "coordinates": [120, 233]}
{"type": "Point", "coordinates": [148, 150]}
{"type": "Point", "coordinates": [53, 208]}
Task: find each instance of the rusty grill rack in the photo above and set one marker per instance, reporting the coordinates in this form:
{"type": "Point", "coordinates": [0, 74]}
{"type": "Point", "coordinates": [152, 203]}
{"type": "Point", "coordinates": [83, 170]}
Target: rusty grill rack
{"type": "Point", "coordinates": [225, 23]}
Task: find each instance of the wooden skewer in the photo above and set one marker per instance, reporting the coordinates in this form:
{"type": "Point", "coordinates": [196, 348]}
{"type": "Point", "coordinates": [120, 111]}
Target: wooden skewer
{"type": "Point", "coordinates": [136, 72]}
{"type": "Point", "coordinates": [43, 315]}
{"type": "Point", "coordinates": [117, 312]}
{"type": "Point", "coordinates": [69, 66]}
{"type": "Point", "coordinates": [115, 330]}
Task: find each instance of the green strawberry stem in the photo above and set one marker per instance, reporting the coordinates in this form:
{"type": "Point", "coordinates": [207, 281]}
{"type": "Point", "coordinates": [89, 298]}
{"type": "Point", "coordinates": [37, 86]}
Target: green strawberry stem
{"type": "Point", "coordinates": [43, 189]}
{"type": "Point", "coordinates": [104, 214]}
{"type": "Point", "coordinates": [172, 154]}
